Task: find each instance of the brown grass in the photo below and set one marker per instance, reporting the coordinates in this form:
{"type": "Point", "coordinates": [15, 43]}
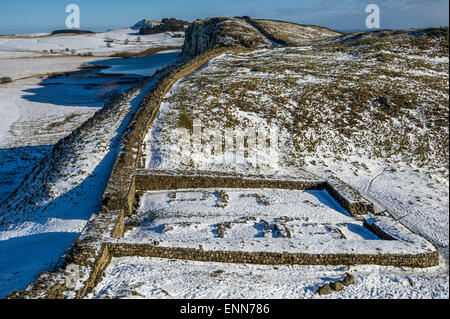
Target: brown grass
{"type": "Point", "coordinates": [146, 52]}
{"type": "Point", "coordinates": [371, 103]}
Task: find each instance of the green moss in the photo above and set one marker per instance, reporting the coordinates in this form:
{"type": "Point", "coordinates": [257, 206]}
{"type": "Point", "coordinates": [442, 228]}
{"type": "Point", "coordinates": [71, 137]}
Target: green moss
{"type": "Point", "coordinates": [61, 123]}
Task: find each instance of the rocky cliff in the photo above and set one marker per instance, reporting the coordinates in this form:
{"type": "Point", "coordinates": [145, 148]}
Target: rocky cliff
{"type": "Point", "coordinates": [206, 34]}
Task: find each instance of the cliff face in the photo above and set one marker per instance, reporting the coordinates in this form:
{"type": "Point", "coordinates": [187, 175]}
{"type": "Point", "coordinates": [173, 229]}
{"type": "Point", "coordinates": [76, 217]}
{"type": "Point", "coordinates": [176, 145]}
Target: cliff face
{"type": "Point", "coordinates": [207, 34]}
{"type": "Point", "coordinates": [246, 32]}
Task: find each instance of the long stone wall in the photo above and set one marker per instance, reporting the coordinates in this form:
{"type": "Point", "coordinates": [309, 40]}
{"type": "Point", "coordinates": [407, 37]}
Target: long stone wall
{"type": "Point", "coordinates": [266, 33]}
{"type": "Point", "coordinates": [88, 251]}
{"type": "Point", "coordinates": [268, 258]}
{"type": "Point", "coordinates": [166, 182]}
{"type": "Point", "coordinates": [120, 191]}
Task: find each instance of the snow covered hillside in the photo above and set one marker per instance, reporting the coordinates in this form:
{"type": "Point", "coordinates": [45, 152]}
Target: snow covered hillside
{"type": "Point", "coordinates": [292, 34]}
{"type": "Point", "coordinates": [371, 109]}
{"type": "Point", "coordinates": [151, 278]}
{"type": "Point", "coordinates": [57, 84]}
{"type": "Point", "coordinates": [97, 44]}
{"type": "Point", "coordinates": [313, 111]}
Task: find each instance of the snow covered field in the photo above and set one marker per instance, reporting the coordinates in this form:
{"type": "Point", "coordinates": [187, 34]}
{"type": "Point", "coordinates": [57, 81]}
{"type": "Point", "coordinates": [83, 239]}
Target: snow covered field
{"type": "Point", "coordinates": [50, 95]}
{"type": "Point", "coordinates": [37, 111]}
{"type": "Point", "coordinates": [260, 220]}
{"type": "Point", "coordinates": [136, 278]}
{"type": "Point", "coordinates": [28, 75]}
{"type": "Point", "coordinates": [126, 39]}
{"type": "Point", "coordinates": [193, 217]}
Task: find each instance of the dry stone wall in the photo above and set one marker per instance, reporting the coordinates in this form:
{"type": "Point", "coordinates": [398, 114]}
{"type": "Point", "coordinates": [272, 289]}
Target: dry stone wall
{"type": "Point", "coordinates": [166, 182]}
{"type": "Point", "coordinates": [348, 197]}
{"type": "Point", "coordinates": [89, 252]}
{"type": "Point", "coordinates": [345, 195]}
{"type": "Point", "coordinates": [266, 33]}
{"type": "Point", "coordinates": [269, 258]}
{"type": "Point", "coordinates": [120, 191]}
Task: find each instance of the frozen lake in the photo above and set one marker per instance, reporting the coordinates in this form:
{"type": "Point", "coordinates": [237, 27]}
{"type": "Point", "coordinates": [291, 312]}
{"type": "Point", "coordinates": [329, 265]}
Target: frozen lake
{"type": "Point", "coordinates": [143, 66]}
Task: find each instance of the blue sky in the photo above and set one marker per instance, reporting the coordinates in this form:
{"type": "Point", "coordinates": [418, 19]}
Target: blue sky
{"type": "Point", "coordinates": [18, 16]}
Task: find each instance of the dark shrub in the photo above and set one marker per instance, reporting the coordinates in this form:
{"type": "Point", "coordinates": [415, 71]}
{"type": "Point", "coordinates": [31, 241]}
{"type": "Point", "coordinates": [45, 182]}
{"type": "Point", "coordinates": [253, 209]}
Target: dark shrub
{"type": "Point", "coordinates": [71, 31]}
{"type": "Point", "coordinates": [5, 79]}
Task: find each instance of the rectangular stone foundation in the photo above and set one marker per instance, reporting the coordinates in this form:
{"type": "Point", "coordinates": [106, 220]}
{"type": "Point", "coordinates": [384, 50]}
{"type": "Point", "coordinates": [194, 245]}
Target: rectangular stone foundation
{"type": "Point", "coordinates": [349, 198]}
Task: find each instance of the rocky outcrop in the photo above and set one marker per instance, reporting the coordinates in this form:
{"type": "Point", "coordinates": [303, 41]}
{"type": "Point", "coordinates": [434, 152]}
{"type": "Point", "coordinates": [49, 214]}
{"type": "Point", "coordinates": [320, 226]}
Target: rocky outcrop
{"type": "Point", "coordinates": [245, 32]}
{"type": "Point", "coordinates": [145, 23]}
{"type": "Point", "coordinates": [207, 34]}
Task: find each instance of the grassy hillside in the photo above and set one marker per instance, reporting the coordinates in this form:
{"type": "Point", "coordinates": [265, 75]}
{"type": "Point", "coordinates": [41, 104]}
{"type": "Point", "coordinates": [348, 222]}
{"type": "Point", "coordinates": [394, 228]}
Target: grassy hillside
{"type": "Point", "coordinates": [293, 34]}
{"type": "Point", "coordinates": [381, 95]}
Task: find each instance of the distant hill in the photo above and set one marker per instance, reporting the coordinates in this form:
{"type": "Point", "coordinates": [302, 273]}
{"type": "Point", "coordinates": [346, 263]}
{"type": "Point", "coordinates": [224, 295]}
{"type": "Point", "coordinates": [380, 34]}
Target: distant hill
{"type": "Point", "coordinates": [289, 33]}
{"type": "Point", "coordinates": [246, 32]}
{"type": "Point", "coordinates": [166, 25]}
{"type": "Point", "coordinates": [71, 31]}
{"type": "Point", "coordinates": [146, 23]}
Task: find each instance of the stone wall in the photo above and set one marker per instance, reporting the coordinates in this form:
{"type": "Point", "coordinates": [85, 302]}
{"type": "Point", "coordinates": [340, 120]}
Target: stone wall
{"type": "Point", "coordinates": [120, 190]}
{"type": "Point", "coordinates": [378, 231]}
{"type": "Point", "coordinates": [267, 258]}
{"type": "Point", "coordinates": [89, 251]}
{"type": "Point", "coordinates": [348, 197]}
{"type": "Point", "coordinates": [266, 33]}
{"type": "Point", "coordinates": [166, 182]}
